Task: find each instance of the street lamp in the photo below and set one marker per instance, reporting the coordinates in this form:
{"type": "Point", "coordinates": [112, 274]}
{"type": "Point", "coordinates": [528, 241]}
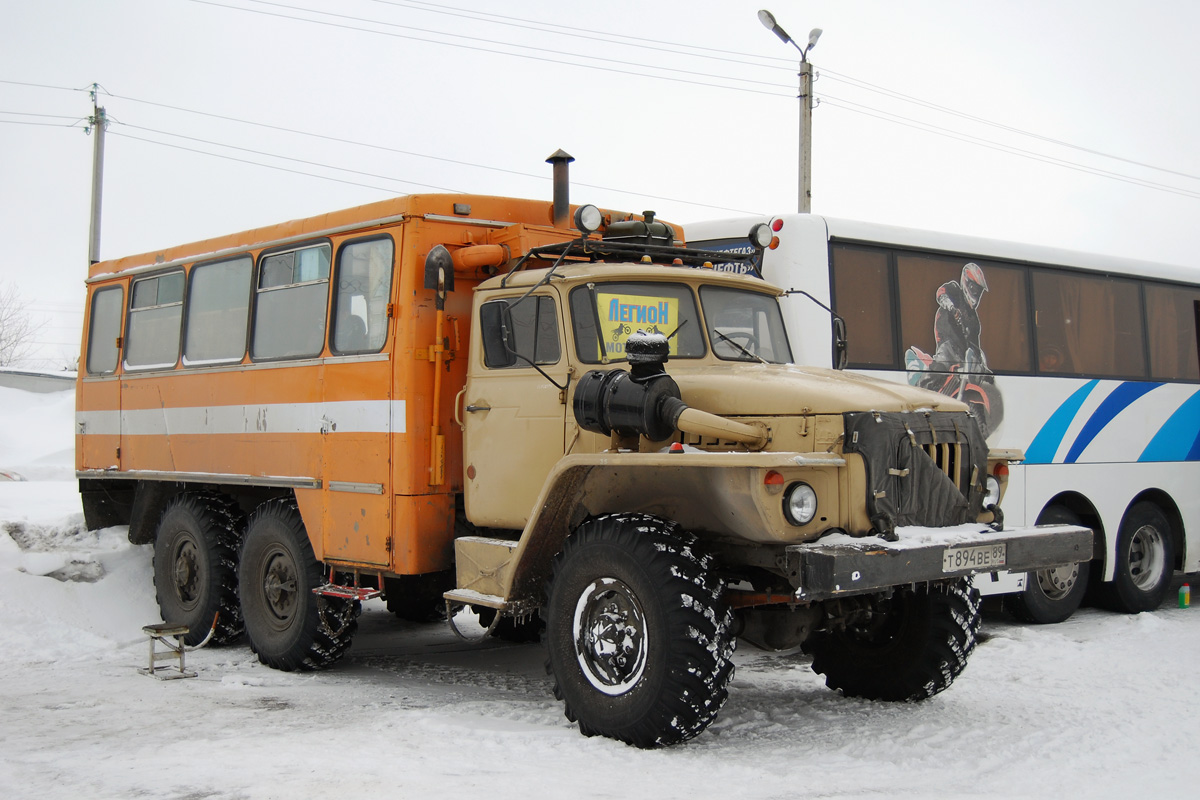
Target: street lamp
{"type": "Point", "coordinates": [804, 204]}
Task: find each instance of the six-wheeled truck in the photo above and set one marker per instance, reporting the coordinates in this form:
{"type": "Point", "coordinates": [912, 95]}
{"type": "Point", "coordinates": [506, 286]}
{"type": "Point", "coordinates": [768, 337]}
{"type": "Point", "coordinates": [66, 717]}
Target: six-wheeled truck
{"type": "Point", "coordinates": [572, 426]}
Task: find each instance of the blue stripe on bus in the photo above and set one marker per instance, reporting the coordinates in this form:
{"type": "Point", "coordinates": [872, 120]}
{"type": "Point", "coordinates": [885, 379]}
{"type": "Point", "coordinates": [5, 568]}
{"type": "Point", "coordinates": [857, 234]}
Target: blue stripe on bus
{"type": "Point", "coordinates": [1043, 447]}
{"type": "Point", "coordinates": [1179, 437]}
{"type": "Point", "coordinates": [1120, 399]}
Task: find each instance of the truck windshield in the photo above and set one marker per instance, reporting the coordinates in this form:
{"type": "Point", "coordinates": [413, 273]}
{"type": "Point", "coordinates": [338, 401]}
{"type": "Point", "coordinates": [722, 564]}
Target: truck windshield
{"type": "Point", "coordinates": [744, 326]}
{"type": "Point", "coordinates": [624, 308]}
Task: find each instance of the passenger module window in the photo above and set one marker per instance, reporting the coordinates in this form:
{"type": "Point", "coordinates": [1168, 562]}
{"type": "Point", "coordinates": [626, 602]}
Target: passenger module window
{"type": "Point", "coordinates": [289, 314]}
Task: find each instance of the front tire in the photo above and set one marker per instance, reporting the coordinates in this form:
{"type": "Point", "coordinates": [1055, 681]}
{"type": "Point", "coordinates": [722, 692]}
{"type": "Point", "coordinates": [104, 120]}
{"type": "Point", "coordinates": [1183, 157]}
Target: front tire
{"type": "Point", "coordinates": [639, 640]}
{"type": "Point", "coordinates": [1051, 595]}
{"type": "Point", "coordinates": [195, 566]}
{"type": "Point", "coordinates": [289, 627]}
{"type": "Point", "coordinates": [1145, 562]}
{"type": "Point", "coordinates": [910, 647]}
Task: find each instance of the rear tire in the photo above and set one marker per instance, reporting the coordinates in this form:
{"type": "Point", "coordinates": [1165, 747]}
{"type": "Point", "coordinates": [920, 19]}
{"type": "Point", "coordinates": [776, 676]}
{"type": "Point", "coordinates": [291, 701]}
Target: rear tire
{"type": "Point", "coordinates": [913, 646]}
{"type": "Point", "coordinates": [195, 566]}
{"type": "Point", "coordinates": [1051, 595]}
{"type": "Point", "coordinates": [639, 640]}
{"type": "Point", "coordinates": [289, 627]}
{"type": "Point", "coordinates": [1145, 562]}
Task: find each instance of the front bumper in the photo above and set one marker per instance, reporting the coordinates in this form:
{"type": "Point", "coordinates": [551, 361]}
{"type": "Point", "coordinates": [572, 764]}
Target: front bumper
{"type": "Point", "coordinates": [841, 565]}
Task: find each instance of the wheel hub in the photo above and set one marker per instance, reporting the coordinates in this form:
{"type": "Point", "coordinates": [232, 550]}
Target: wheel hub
{"type": "Point", "coordinates": [279, 587]}
{"type": "Point", "coordinates": [1057, 583]}
{"type": "Point", "coordinates": [187, 574]}
{"type": "Point", "coordinates": [1147, 552]}
{"type": "Point", "coordinates": [610, 636]}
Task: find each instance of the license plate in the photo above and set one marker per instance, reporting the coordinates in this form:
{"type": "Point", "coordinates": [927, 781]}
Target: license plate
{"type": "Point", "coordinates": [980, 556]}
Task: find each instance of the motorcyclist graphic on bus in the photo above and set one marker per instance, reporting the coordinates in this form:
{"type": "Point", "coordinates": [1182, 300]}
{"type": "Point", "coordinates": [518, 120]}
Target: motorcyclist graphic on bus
{"type": "Point", "coordinates": [958, 367]}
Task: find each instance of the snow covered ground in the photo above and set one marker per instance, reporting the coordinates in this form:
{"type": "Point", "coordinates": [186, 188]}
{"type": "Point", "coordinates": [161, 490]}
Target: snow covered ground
{"type": "Point", "coordinates": [1100, 706]}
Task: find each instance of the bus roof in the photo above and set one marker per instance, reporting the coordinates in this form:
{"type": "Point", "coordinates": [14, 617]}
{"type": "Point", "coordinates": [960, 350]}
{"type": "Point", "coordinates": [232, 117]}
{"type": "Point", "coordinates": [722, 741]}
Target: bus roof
{"type": "Point", "coordinates": [463, 208]}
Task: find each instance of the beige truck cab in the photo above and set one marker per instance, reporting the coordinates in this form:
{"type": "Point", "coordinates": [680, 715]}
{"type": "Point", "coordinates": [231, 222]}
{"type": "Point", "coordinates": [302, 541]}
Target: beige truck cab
{"type": "Point", "coordinates": [651, 478]}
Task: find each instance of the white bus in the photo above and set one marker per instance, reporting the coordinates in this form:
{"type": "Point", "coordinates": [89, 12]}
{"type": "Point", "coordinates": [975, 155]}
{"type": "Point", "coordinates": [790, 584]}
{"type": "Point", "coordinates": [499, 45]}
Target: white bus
{"type": "Point", "coordinates": [1088, 364]}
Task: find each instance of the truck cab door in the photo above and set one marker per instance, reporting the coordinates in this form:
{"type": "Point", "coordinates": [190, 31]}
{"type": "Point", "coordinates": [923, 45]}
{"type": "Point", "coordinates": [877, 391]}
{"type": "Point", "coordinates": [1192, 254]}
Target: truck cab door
{"type": "Point", "coordinates": [514, 414]}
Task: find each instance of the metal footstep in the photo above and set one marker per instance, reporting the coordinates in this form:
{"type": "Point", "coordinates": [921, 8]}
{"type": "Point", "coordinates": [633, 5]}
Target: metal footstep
{"type": "Point", "coordinates": [159, 634]}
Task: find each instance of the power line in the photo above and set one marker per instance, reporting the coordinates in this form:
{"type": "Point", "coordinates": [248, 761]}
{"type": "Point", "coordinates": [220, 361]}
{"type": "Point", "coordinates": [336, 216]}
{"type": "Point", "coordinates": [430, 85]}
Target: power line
{"type": "Point", "coordinates": [591, 34]}
{"type": "Point", "coordinates": [889, 117]}
{"type": "Point", "coordinates": [260, 164]}
{"type": "Point", "coordinates": [834, 75]}
{"type": "Point", "coordinates": [39, 124]}
{"type": "Point", "coordinates": [45, 86]}
{"type": "Point", "coordinates": [501, 52]}
{"type": "Point", "coordinates": [384, 177]}
{"type": "Point", "coordinates": [946, 110]}
{"type": "Point", "coordinates": [75, 117]}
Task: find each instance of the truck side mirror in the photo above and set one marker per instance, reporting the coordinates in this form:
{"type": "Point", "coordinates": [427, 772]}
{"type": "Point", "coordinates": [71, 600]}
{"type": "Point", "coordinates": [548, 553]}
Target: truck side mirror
{"type": "Point", "coordinates": [839, 343]}
{"type": "Point", "coordinates": [495, 325]}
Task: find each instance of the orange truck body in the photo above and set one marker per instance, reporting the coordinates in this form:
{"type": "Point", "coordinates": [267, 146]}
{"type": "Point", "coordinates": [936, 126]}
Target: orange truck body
{"type": "Point", "coordinates": [355, 436]}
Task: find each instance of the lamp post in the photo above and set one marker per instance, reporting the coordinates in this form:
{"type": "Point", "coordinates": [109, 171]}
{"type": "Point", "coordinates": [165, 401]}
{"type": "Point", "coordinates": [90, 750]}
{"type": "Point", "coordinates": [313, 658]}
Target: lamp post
{"type": "Point", "coordinates": [804, 203]}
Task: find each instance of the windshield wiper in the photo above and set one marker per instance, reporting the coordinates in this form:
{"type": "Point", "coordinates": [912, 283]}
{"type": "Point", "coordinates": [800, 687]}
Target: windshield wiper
{"type": "Point", "coordinates": [755, 356]}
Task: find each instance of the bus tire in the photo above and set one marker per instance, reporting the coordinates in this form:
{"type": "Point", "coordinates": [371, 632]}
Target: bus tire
{"type": "Point", "coordinates": [195, 566]}
{"type": "Point", "coordinates": [1145, 562]}
{"type": "Point", "coordinates": [639, 641]}
{"type": "Point", "coordinates": [1051, 595]}
{"type": "Point", "coordinates": [914, 646]}
{"type": "Point", "coordinates": [289, 627]}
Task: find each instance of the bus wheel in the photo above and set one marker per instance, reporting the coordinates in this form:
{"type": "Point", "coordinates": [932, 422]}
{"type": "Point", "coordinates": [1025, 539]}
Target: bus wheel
{"type": "Point", "coordinates": [1051, 595]}
{"type": "Point", "coordinates": [905, 648]}
{"type": "Point", "coordinates": [1145, 562]}
{"type": "Point", "coordinates": [195, 572]}
{"type": "Point", "coordinates": [289, 627]}
{"type": "Point", "coordinates": [638, 637]}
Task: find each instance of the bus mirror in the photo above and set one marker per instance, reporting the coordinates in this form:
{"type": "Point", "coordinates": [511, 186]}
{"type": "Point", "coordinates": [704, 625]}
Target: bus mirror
{"type": "Point", "coordinates": [839, 343]}
{"type": "Point", "coordinates": [495, 324]}
{"type": "Point", "coordinates": [439, 273]}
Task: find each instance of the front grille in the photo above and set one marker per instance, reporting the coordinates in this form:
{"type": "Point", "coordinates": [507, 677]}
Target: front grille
{"type": "Point", "coordinates": [922, 467]}
{"type": "Point", "coordinates": [948, 457]}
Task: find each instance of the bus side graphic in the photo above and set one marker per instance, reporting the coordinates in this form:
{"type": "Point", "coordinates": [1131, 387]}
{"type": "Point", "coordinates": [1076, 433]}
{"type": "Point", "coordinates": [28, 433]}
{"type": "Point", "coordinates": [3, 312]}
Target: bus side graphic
{"type": "Point", "coordinates": [1177, 439]}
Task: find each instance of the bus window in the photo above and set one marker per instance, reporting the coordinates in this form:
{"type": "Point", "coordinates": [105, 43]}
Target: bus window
{"type": "Point", "coordinates": [1088, 325]}
{"type": "Point", "coordinates": [862, 295]}
{"type": "Point", "coordinates": [994, 319]}
{"type": "Point", "coordinates": [217, 312]}
{"type": "Point", "coordinates": [155, 313]}
{"type": "Point", "coordinates": [364, 287]}
{"type": "Point", "coordinates": [107, 305]}
{"type": "Point", "coordinates": [1171, 320]}
{"type": "Point", "coordinates": [289, 313]}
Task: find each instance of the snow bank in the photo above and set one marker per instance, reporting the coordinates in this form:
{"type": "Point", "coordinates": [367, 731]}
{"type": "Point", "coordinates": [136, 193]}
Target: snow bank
{"type": "Point", "coordinates": [37, 436]}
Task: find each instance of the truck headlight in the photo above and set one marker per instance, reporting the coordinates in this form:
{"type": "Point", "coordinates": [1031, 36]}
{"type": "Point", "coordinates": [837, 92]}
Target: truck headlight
{"type": "Point", "coordinates": [991, 495]}
{"type": "Point", "coordinates": [800, 504]}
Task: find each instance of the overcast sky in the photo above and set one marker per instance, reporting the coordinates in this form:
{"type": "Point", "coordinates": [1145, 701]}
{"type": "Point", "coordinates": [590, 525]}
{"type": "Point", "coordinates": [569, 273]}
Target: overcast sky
{"type": "Point", "coordinates": [1069, 123]}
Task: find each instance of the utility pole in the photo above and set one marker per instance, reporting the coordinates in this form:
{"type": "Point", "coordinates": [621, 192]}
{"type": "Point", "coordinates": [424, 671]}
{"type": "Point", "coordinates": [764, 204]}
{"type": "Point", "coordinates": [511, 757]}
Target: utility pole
{"type": "Point", "coordinates": [804, 203]}
{"type": "Point", "coordinates": [97, 122]}
{"type": "Point", "coordinates": [804, 200]}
